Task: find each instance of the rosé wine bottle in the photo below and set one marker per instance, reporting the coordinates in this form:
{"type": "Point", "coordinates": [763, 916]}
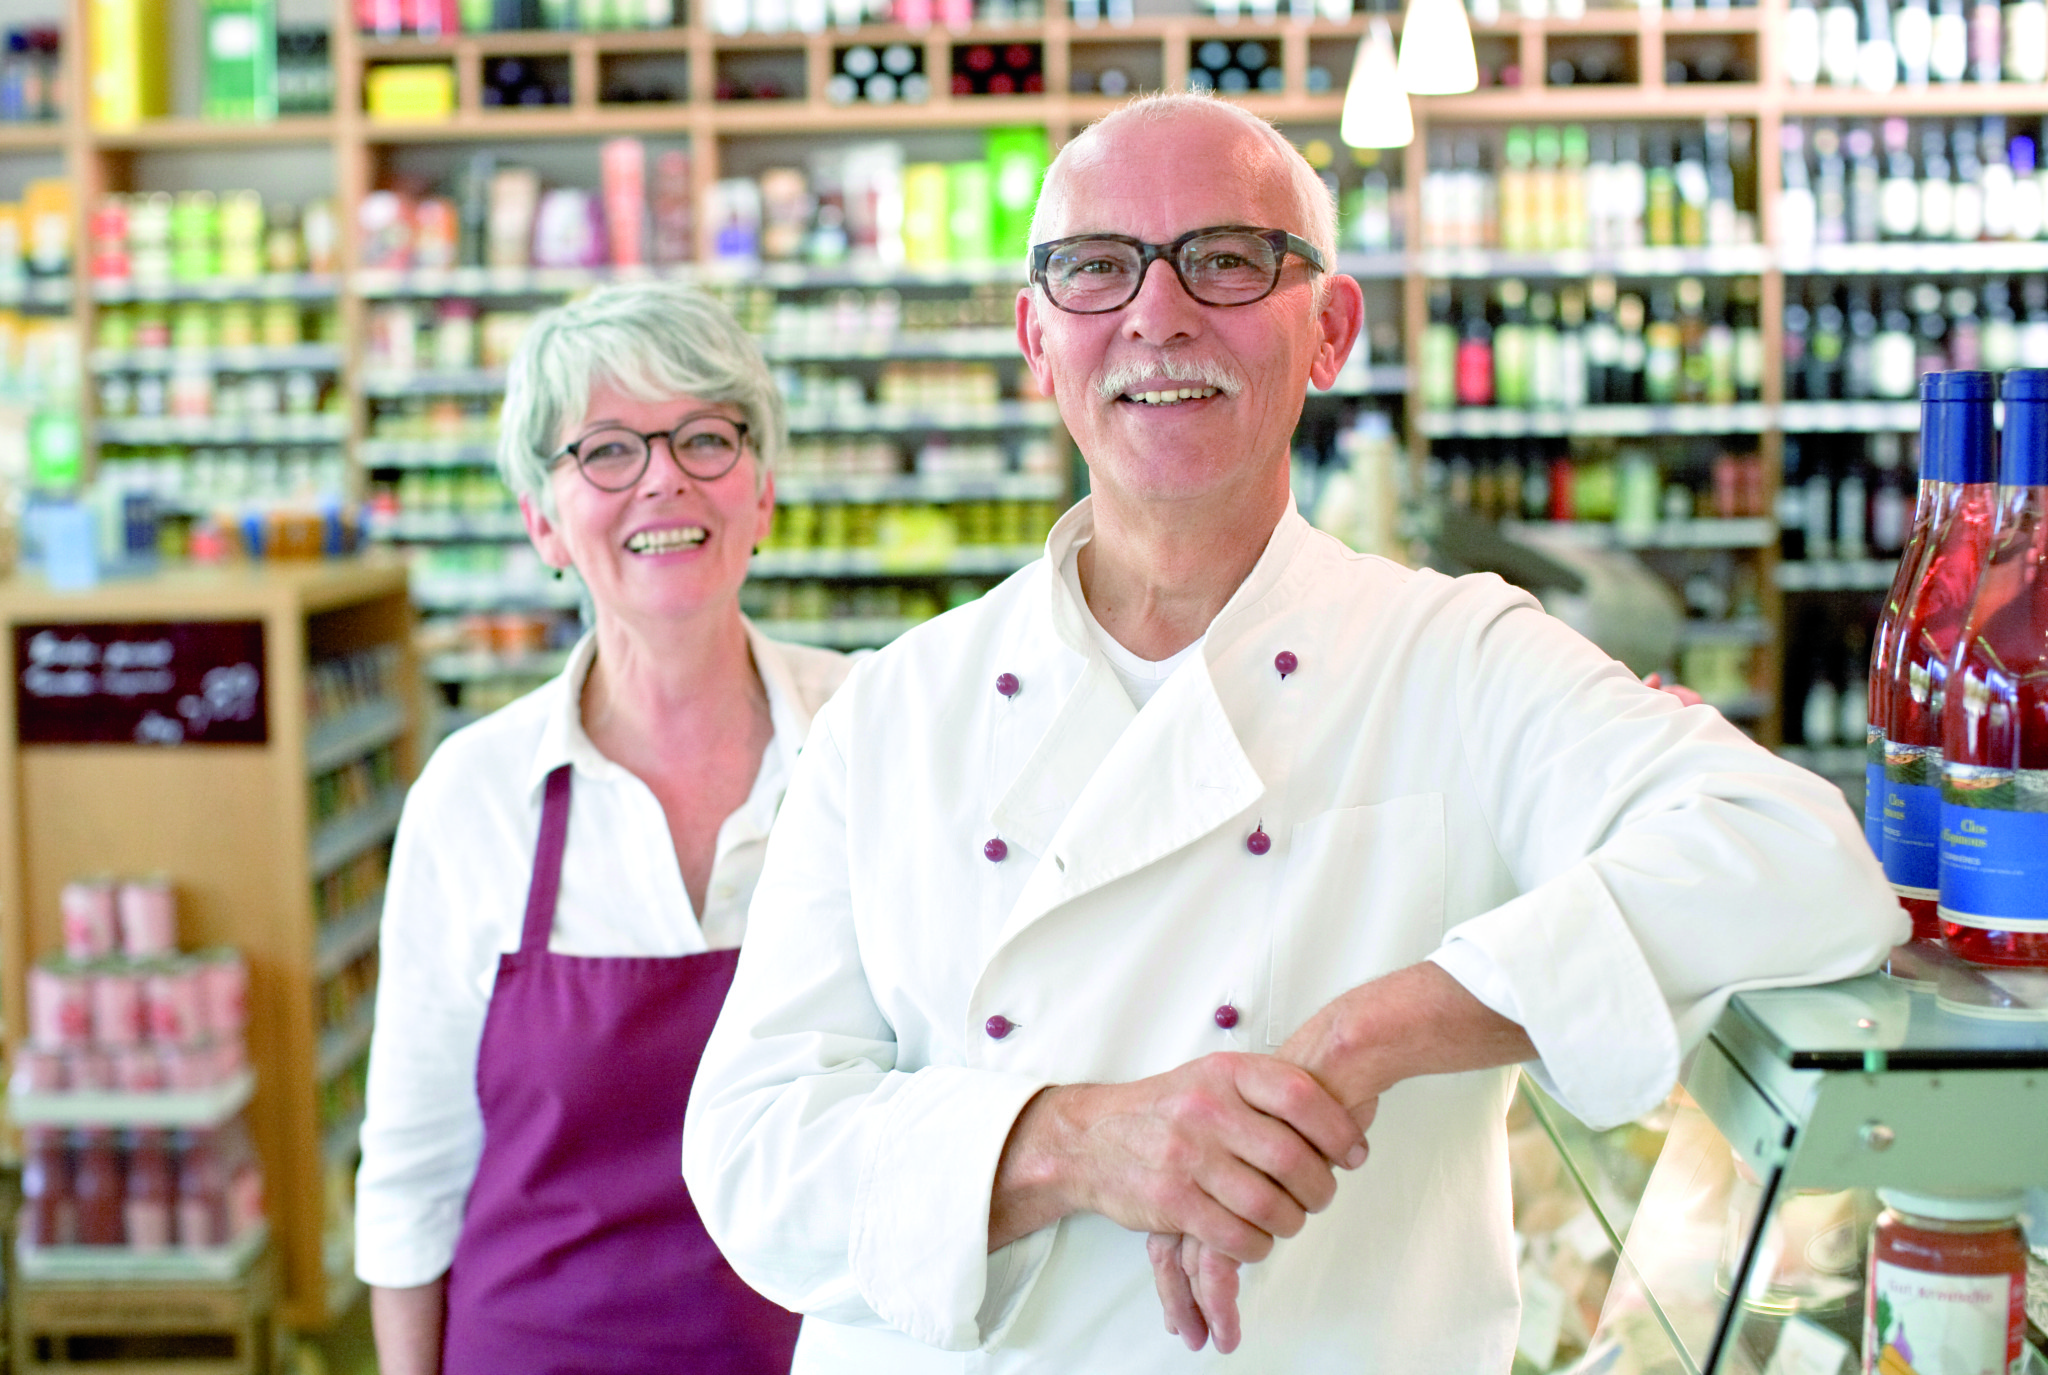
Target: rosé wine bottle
{"type": "Point", "coordinates": [1929, 625]}
{"type": "Point", "coordinates": [1994, 786]}
{"type": "Point", "coordinates": [1936, 496]}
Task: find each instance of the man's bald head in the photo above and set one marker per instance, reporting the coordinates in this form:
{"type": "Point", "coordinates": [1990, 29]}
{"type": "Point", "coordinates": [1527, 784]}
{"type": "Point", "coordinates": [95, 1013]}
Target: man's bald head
{"type": "Point", "coordinates": [1298, 186]}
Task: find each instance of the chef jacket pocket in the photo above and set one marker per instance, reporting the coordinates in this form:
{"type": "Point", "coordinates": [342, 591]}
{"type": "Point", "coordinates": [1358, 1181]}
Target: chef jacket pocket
{"type": "Point", "coordinates": [1363, 895]}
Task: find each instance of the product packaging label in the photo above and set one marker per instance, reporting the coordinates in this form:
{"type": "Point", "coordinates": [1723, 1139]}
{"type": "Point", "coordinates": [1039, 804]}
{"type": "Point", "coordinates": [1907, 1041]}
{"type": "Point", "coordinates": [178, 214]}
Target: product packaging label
{"type": "Point", "coordinates": [1994, 849]}
{"type": "Point", "coordinates": [1912, 824]}
{"type": "Point", "coordinates": [1930, 1324]}
{"type": "Point", "coordinates": [1873, 807]}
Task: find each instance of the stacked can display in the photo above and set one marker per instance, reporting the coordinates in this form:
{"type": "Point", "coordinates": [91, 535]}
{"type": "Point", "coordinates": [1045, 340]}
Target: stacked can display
{"type": "Point", "coordinates": [121, 1010]}
{"type": "Point", "coordinates": [145, 1190]}
{"type": "Point", "coordinates": [1994, 781]}
{"type": "Point", "coordinates": [1958, 735]}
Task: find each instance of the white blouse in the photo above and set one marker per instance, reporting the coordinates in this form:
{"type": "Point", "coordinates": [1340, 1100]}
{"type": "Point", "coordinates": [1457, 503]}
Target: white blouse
{"type": "Point", "coordinates": [456, 899]}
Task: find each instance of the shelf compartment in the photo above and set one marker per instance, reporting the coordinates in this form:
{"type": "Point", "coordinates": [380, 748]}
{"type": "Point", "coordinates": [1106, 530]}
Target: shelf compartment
{"type": "Point", "coordinates": [347, 938]}
{"type": "Point", "coordinates": [426, 453]}
{"type": "Point", "coordinates": [273, 429]}
{"type": "Point", "coordinates": [933, 487]}
{"type": "Point", "coordinates": [477, 382]}
{"type": "Point", "coordinates": [1947, 259]}
{"type": "Point", "coordinates": [300, 286]}
{"type": "Point", "coordinates": [1501, 423]}
{"type": "Point", "coordinates": [340, 840]}
{"type": "Point", "coordinates": [997, 561]}
{"type": "Point", "coordinates": [767, 75]}
{"type": "Point", "coordinates": [120, 1263]}
{"type": "Point", "coordinates": [1140, 62]}
{"type": "Point", "coordinates": [311, 357]}
{"type": "Point", "coordinates": [1004, 415]}
{"type": "Point", "coordinates": [189, 1108]}
{"type": "Point", "coordinates": [354, 733]}
{"type": "Point", "coordinates": [48, 293]}
{"type": "Point", "coordinates": [451, 527]}
{"type": "Point", "coordinates": [1847, 417]}
{"type": "Point", "coordinates": [1739, 260]}
{"type": "Point", "coordinates": [1603, 59]}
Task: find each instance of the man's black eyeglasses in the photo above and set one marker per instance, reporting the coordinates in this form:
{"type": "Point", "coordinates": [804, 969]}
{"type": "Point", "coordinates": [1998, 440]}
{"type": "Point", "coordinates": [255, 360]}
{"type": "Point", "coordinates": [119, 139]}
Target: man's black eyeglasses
{"type": "Point", "coordinates": [614, 458]}
{"type": "Point", "coordinates": [1225, 265]}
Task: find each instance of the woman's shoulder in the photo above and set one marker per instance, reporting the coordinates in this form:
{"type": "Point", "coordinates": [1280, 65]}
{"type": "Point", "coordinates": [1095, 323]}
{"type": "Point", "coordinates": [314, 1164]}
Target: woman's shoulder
{"type": "Point", "coordinates": [492, 756]}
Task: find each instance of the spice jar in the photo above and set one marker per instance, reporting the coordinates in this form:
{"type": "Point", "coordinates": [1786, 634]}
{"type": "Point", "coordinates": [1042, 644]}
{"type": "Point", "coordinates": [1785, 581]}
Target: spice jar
{"type": "Point", "coordinates": [1948, 1284]}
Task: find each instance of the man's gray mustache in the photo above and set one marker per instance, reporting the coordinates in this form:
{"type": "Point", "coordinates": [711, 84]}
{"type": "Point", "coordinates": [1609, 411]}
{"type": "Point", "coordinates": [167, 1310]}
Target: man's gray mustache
{"type": "Point", "coordinates": [1203, 372]}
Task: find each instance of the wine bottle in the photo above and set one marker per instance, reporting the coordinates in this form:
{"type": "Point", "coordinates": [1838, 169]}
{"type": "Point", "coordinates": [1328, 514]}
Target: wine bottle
{"type": "Point", "coordinates": [1798, 327]}
{"type": "Point", "coordinates": [1797, 212]}
{"type": "Point", "coordinates": [1660, 187]}
{"type": "Point", "coordinates": [1475, 351]}
{"type": "Point", "coordinates": [1934, 496]}
{"type": "Point", "coordinates": [1747, 317]}
{"type": "Point", "coordinates": [1824, 349]}
{"type": "Point", "coordinates": [1439, 353]}
{"type": "Point", "coordinates": [1839, 43]}
{"type": "Point", "coordinates": [1993, 865]}
{"type": "Point", "coordinates": [1664, 352]}
{"type": "Point", "coordinates": [1572, 188]}
{"type": "Point", "coordinates": [2001, 339]}
{"type": "Point", "coordinates": [1802, 43]}
{"type": "Point", "coordinates": [1893, 374]}
{"type": "Point", "coordinates": [1949, 57]}
{"type": "Point", "coordinates": [1859, 356]}
{"type": "Point", "coordinates": [1965, 330]}
{"type": "Point", "coordinates": [1877, 61]}
{"type": "Point", "coordinates": [2034, 324]}
{"type": "Point", "coordinates": [1937, 195]}
{"type": "Point", "coordinates": [1995, 176]}
{"type": "Point", "coordinates": [1603, 345]}
{"type": "Point", "coordinates": [1631, 188]}
{"type": "Point", "coordinates": [1511, 345]}
{"type": "Point", "coordinates": [1930, 625]}
{"type": "Point", "coordinates": [1830, 187]}
{"type": "Point", "coordinates": [1987, 48]}
{"type": "Point", "coordinates": [1633, 353]}
{"type": "Point", "coordinates": [1865, 182]}
{"type": "Point", "coordinates": [1913, 31]}
{"type": "Point", "coordinates": [2026, 41]}
{"type": "Point", "coordinates": [1546, 381]}
{"type": "Point", "coordinates": [1966, 208]}
{"type": "Point", "coordinates": [1898, 212]}
{"type": "Point", "coordinates": [1571, 348]}
{"type": "Point", "coordinates": [2028, 208]}
{"type": "Point", "coordinates": [1517, 214]}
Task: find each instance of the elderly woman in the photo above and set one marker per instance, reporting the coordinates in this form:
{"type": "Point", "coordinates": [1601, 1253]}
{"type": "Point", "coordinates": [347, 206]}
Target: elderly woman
{"type": "Point", "coordinates": [550, 973]}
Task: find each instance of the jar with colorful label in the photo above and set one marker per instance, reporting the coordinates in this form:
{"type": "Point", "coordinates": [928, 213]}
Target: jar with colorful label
{"type": "Point", "coordinates": [1948, 1286]}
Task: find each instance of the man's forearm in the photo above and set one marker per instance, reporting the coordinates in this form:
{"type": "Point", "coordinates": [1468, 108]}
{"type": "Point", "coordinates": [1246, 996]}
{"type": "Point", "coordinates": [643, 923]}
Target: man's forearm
{"type": "Point", "coordinates": [1415, 1021]}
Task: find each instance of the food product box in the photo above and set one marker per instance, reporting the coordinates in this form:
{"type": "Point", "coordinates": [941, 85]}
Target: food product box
{"type": "Point", "coordinates": [128, 49]}
{"type": "Point", "coordinates": [410, 91]}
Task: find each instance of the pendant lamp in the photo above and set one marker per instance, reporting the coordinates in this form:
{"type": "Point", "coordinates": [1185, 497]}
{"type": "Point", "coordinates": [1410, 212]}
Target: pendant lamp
{"type": "Point", "coordinates": [1436, 49]}
{"type": "Point", "coordinates": [1376, 113]}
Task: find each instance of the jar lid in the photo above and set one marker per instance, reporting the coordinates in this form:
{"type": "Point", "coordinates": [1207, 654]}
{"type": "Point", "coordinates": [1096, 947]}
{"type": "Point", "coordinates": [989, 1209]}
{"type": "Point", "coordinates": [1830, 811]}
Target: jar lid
{"type": "Point", "coordinates": [1991, 1207]}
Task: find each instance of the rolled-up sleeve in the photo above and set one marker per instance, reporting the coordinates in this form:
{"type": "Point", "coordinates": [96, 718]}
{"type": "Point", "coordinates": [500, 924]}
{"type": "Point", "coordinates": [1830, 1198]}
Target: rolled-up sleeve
{"type": "Point", "coordinates": [1666, 862]}
{"type": "Point", "coordinates": [838, 1181]}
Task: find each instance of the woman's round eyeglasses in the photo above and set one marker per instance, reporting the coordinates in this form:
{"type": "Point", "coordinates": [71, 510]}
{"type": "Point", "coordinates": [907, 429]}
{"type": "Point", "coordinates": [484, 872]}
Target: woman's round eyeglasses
{"type": "Point", "coordinates": [1227, 265]}
{"type": "Point", "coordinates": [614, 458]}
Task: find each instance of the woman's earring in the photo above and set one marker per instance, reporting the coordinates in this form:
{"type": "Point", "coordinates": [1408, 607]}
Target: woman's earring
{"type": "Point", "coordinates": [556, 574]}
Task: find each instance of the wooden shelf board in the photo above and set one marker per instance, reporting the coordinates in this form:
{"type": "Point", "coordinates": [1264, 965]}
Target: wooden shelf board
{"type": "Point", "coordinates": [1552, 104]}
{"type": "Point", "coordinates": [807, 116]}
{"type": "Point", "coordinates": [209, 133]}
{"type": "Point", "coordinates": [548, 121]}
{"type": "Point", "coordinates": [29, 138]}
{"type": "Point", "coordinates": [1961, 98]}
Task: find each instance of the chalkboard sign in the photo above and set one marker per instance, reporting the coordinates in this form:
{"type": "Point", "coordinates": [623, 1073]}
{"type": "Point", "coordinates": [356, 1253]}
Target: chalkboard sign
{"type": "Point", "coordinates": [140, 683]}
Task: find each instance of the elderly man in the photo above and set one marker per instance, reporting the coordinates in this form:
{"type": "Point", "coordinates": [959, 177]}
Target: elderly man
{"type": "Point", "coordinates": [1128, 899]}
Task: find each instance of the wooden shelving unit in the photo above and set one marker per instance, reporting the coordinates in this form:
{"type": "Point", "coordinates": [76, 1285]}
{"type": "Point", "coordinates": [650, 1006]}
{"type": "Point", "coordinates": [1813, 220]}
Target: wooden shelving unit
{"type": "Point", "coordinates": [233, 827]}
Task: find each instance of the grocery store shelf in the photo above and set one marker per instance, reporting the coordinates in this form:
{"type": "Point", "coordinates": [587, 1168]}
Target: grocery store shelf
{"type": "Point", "coordinates": [421, 527]}
{"type": "Point", "coordinates": [348, 937]}
{"type": "Point", "coordinates": [908, 344]}
{"type": "Point", "coordinates": [354, 733]}
{"type": "Point", "coordinates": [340, 840]}
{"type": "Point", "coordinates": [1736, 260]}
{"type": "Point", "coordinates": [517, 282]}
{"type": "Point", "coordinates": [488, 593]}
{"type": "Point", "coordinates": [26, 137]}
{"type": "Point", "coordinates": [1848, 417]}
{"type": "Point", "coordinates": [1373, 267]}
{"type": "Point", "coordinates": [922, 487]}
{"type": "Point", "coordinates": [1879, 258]}
{"type": "Point", "coordinates": [290, 285]}
{"type": "Point", "coordinates": [105, 1264]}
{"type": "Point", "coordinates": [263, 429]}
{"type": "Point", "coordinates": [312, 357]}
{"type": "Point", "coordinates": [840, 632]}
{"type": "Point", "coordinates": [1383, 379]}
{"type": "Point", "coordinates": [477, 666]}
{"type": "Point", "coordinates": [426, 453]}
{"type": "Point", "coordinates": [1836, 575]}
{"type": "Point", "coordinates": [991, 561]}
{"type": "Point", "coordinates": [48, 292]}
{"type": "Point", "coordinates": [469, 382]}
{"type": "Point", "coordinates": [341, 1046]}
{"type": "Point", "coordinates": [171, 1108]}
{"type": "Point", "coordinates": [1695, 100]}
{"type": "Point", "coordinates": [1001, 415]}
{"type": "Point", "coordinates": [1480, 422]}
{"type": "Point", "coordinates": [217, 133]}
{"type": "Point", "coordinates": [1705, 533]}
{"type": "Point", "coordinates": [1959, 98]}
{"type": "Point", "coordinates": [799, 276]}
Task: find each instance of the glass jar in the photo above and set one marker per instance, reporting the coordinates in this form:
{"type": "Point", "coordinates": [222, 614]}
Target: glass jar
{"type": "Point", "coordinates": [1948, 1284]}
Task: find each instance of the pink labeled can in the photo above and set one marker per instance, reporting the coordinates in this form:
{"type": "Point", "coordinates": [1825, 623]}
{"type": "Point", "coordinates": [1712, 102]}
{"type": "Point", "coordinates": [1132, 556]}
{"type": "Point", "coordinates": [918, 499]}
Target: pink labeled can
{"type": "Point", "coordinates": [40, 1069]}
{"type": "Point", "coordinates": [224, 991]}
{"type": "Point", "coordinates": [188, 1067]}
{"type": "Point", "coordinates": [59, 1005]}
{"type": "Point", "coordinates": [117, 1011]}
{"type": "Point", "coordinates": [91, 918]}
{"type": "Point", "coordinates": [138, 1069]}
{"type": "Point", "coordinates": [175, 996]}
{"type": "Point", "coordinates": [90, 1070]}
{"type": "Point", "coordinates": [149, 917]}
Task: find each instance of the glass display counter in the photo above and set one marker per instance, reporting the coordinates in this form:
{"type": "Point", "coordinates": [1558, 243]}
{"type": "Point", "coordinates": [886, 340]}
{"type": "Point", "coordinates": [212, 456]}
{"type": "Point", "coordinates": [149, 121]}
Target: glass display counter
{"type": "Point", "coordinates": [1736, 1221]}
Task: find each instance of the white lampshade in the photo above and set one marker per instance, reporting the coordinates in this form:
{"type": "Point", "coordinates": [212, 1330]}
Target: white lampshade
{"type": "Point", "coordinates": [1376, 113]}
{"type": "Point", "coordinates": [1436, 49]}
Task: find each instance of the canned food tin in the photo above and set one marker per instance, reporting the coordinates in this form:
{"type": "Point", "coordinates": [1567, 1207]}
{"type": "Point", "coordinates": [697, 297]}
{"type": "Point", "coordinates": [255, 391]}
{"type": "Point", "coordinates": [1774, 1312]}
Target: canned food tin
{"type": "Point", "coordinates": [188, 1066]}
{"type": "Point", "coordinates": [224, 991]}
{"type": "Point", "coordinates": [176, 1001]}
{"type": "Point", "coordinates": [91, 925]}
{"type": "Point", "coordinates": [40, 1070]}
{"type": "Point", "coordinates": [117, 1007]}
{"type": "Point", "coordinates": [89, 1069]}
{"type": "Point", "coordinates": [149, 917]}
{"type": "Point", "coordinates": [138, 1069]}
{"type": "Point", "coordinates": [59, 1005]}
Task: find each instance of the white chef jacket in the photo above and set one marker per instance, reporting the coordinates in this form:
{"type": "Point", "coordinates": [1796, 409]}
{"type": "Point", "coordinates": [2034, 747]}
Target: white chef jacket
{"type": "Point", "coordinates": [456, 900]}
{"type": "Point", "coordinates": [1444, 759]}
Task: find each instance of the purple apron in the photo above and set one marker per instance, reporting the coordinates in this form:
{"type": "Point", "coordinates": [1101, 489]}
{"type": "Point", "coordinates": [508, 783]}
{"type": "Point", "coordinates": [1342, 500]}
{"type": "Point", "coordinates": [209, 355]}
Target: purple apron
{"type": "Point", "coordinates": [581, 1253]}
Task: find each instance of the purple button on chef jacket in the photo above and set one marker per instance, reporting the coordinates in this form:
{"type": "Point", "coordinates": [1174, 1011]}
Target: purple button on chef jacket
{"type": "Point", "coordinates": [1286, 662]}
{"type": "Point", "coordinates": [1258, 842]}
{"type": "Point", "coordinates": [995, 852]}
{"type": "Point", "coordinates": [998, 1027]}
{"type": "Point", "coordinates": [1007, 684]}
{"type": "Point", "coordinates": [1226, 1016]}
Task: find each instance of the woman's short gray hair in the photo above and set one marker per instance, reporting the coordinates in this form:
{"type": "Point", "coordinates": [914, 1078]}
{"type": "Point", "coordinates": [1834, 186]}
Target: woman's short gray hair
{"type": "Point", "coordinates": [652, 340]}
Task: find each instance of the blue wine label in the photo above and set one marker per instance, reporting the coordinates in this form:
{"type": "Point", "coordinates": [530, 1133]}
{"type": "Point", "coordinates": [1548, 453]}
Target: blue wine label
{"type": "Point", "coordinates": [1873, 790]}
{"type": "Point", "coordinates": [1994, 849]}
{"type": "Point", "coordinates": [1912, 819]}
